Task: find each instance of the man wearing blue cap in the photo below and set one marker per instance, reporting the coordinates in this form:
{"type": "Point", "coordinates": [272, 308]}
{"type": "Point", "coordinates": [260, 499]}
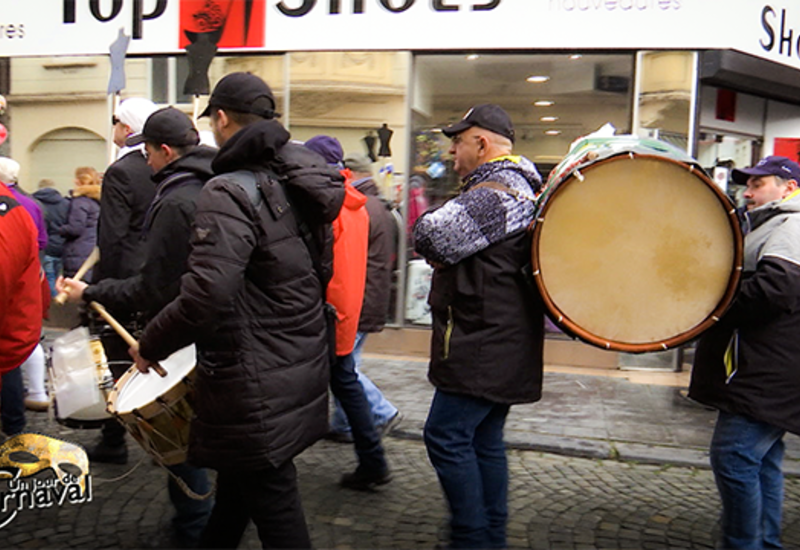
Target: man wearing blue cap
{"type": "Point", "coordinates": [746, 366]}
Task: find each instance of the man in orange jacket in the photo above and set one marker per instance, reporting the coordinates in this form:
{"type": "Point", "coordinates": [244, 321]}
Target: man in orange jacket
{"type": "Point", "coordinates": [346, 294]}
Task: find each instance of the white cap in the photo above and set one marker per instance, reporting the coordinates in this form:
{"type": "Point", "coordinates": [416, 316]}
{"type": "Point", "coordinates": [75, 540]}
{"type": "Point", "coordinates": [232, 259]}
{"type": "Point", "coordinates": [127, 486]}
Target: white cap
{"type": "Point", "coordinates": [134, 112]}
{"type": "Point", "coordinates": [9, 170]}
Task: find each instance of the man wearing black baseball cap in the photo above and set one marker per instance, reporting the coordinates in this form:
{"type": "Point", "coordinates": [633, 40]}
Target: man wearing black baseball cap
{"type": "Point", "coordinates": [488, 326]}
{"type": "Point", "coordinates": [746, 366]}
{"type": "Point", "coordinates": [180, 170]}
{"type": "Point", "coordinates": [252, 302]}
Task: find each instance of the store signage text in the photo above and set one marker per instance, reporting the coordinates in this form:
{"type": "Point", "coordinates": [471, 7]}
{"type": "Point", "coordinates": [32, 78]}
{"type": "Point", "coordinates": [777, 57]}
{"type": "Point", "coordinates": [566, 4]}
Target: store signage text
{"type": "Point", "coordinates": [785, 40]}
{"type": "Point", "coordinates": [106, 13]}
{"type": "Point", "coordinates": [394, 6]}
{"type": "Point", "coordinates": [613, 5]}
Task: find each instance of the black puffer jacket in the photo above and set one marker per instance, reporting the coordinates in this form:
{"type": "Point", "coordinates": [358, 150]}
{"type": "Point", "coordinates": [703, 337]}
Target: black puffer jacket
{"type": "Point", "coordinates": [252, 303]}
{"type": "Point", "coordinates": [127, 194]}
{"type": "Point", "coordinates": [167, 230]}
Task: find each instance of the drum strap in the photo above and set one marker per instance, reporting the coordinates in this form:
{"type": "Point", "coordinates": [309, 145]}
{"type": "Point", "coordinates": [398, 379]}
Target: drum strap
{"type": "Point", "coordinates": [497, 186]}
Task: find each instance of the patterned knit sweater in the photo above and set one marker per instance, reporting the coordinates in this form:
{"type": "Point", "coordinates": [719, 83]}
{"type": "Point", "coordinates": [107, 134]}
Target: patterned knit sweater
{"type": "Point", "coordinates": [478, 218]}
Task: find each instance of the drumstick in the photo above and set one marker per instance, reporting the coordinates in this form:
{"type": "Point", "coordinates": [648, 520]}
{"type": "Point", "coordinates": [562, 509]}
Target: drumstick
{"type": "Point", "coordinates": [127, 336]}
{"type": "Point", "coordinates": [87, 264]}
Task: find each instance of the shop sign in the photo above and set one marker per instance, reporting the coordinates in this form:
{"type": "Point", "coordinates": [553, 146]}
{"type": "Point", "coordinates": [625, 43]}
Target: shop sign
{"type": "Point", "coordinates": [769, 28]}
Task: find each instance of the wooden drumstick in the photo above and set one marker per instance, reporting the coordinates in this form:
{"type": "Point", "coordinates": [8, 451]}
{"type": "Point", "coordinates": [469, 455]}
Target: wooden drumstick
{"type": "Point", "coordinates": [87, 264]}
{"type": "Point", "coordinates": [127, 336]}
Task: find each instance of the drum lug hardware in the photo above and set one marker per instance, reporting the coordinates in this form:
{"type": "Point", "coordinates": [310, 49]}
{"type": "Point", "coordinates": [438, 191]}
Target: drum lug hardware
{"type": "Point", "coordinates": [580, 176]}
{"type": "Point", "coordinates": [715, 318]}
{"type": "Point", "coordinates": [608, 345]}
{"type": "Point", "coordinates": [631, 155]}
{"type": "Point", "coordinates": [664, 346]}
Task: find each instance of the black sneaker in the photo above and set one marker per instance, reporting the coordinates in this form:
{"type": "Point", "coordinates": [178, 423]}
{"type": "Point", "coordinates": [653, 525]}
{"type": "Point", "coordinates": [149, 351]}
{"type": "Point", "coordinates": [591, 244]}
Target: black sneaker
{"type": "Point", "coordinates": [107, 454]}
{"type": "Point", "coordinates": [361, 480]}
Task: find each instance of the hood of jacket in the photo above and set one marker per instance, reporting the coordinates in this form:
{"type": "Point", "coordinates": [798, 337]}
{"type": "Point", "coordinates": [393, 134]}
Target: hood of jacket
{"type": "Point", "coordinates": [252, 147]}
{"type": "Point", "coordinates": [91, 191]}
{"type": "Point", "coordinates": [198, 161]}
{"type": "Point", "coordinates": [353, 199]}
{"type": "Point", "coordinates": [48, 196]}
{"type": "Point", "coordinates": [367, 186]}
{"type": "Point", "coordinates": [758, 216]}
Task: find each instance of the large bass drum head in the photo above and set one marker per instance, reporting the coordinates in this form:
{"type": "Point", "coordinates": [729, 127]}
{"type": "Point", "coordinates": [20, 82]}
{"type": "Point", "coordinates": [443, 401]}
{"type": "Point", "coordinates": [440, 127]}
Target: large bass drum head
{"type": "Point", "coordinates": [636, 253]}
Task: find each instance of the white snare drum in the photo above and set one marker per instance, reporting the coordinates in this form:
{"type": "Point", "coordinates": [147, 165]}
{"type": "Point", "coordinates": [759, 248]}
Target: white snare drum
{"type": "Point", "coordinates": [635, 249]}
{"type": "Point", "coordinates": [80, 380]}
{"type": "Point", "coordinates": [157, 411]}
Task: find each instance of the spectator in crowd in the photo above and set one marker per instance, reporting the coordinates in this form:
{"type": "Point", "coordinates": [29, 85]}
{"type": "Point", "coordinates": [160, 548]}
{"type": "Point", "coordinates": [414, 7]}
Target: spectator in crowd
{"type": "Point", "coordinates": [55, 208]}
{"type": "Point", "coordinates": [80, 229]}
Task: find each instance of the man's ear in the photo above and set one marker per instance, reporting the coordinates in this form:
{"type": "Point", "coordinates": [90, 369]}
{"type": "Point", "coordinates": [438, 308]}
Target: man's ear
{"type": "Point", "coordinates": [791, 187]}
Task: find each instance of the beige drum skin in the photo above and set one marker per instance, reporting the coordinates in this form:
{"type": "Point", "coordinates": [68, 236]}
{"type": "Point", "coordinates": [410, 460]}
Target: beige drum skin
{"type": "Point", "coordinates": [637, 253]}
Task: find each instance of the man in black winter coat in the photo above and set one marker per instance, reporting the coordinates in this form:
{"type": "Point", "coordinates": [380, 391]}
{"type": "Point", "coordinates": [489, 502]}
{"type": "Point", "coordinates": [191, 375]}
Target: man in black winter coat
{"type": "Point", "coordinates": [55, 207]}
{"type": "Point", "coordinates": [252, 302]}
{"type": "Point", "coordinates": [181, 168]}
{"type": "Point", "coordinates": [127, 194]}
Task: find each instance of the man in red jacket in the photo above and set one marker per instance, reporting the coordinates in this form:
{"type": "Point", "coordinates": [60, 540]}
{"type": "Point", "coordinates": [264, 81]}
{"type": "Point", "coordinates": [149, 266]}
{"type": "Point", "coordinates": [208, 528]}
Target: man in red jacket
{"type": "Point", "coordinates": [20, 305]}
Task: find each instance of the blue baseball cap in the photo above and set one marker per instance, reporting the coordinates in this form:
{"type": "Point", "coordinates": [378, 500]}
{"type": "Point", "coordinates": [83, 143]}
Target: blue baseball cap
{"type": "Point", "coordinates": [769, 166]}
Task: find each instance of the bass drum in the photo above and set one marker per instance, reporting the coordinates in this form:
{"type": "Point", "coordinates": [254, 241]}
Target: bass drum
{"type": "Point", "coordinates": [634, 248]}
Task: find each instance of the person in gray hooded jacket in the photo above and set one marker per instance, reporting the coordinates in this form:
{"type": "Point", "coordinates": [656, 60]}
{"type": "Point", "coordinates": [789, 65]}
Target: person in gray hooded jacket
{"type": "Point", "coordinates": [747, 365]}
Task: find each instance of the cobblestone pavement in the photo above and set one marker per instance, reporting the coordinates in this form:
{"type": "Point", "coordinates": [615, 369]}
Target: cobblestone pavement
{"type": "Point", "coordinates": [554, 501]}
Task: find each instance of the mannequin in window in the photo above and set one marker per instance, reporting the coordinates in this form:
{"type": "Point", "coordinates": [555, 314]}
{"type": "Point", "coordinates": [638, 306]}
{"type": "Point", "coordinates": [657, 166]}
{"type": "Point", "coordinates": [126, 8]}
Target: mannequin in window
{"type": "Point", "coordinates": [117, 51]}
{"type": "Point", "coordinates": [385, 135]}
{"type": "Point", "coordinates": [369, 141]}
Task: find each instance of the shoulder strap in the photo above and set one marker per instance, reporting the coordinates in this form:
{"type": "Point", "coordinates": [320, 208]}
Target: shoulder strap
{"type": "Point", "coordinates": [253, 185]}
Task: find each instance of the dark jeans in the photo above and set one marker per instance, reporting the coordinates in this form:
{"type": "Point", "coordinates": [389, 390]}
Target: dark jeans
{"type": "Point", "coordinates": [12, 402]}
{"type": "Point", "coordinates": [350, 393]}
{"type": "Point", "coordinates": [747, 457]}
{"type": "Point", "coordinates": [191, 515]}
{"type": "Point", "coordinates": [464, 438]}
{"type": "Point", "coordinates": [269, 497]}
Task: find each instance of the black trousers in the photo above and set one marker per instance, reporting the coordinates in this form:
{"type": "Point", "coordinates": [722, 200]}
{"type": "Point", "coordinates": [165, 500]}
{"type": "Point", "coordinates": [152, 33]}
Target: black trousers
{"type": "Point", "coordinates": [269, 497]}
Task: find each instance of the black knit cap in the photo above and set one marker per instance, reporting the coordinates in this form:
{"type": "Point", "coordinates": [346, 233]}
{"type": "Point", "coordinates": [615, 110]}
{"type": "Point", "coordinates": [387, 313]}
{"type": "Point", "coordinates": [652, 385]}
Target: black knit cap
{"type": "Point", "coordinates": [488, 116]}
{"type": "Point", "coordinates": [169, 126]}
{"type": "Point", "coordinates": [242, 92]}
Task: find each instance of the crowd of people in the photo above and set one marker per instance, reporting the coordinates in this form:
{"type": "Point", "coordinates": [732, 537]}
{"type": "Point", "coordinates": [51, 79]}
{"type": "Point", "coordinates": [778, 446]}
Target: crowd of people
{"type": "Point", "coordinates": [274, 257]}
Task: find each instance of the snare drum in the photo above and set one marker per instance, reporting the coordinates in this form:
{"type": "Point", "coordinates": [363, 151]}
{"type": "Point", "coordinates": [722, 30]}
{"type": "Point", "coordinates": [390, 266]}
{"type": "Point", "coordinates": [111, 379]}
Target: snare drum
{"type": "Point", "coordinates": [634, 248]}
{"type": "Point", "coordinates": [80, 380]}
{"type": "Point", "coordinates": [157, 411]}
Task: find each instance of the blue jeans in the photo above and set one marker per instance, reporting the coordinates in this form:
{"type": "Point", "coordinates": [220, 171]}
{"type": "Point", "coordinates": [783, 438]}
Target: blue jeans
{"type": "Point", "coordinates": [746, 457]}
{"type": "Point", "coordinates": [464, 437]}
{"type": "Point", "coordinates": [191, 515]}
{"type": "Point", "coordinates": [12, 402]}
{"type": "Point", "coordinates": [345, 387]}
{"type": "Point", "coordinates": [52, 268]}
{"type": "Point", "coordinates": [381, 408]}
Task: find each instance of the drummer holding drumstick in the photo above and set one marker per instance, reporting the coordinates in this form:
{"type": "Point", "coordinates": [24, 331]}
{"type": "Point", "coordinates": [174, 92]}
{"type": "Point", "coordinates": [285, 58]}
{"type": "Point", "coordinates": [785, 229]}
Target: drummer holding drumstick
{"type": "Point", "coordinates": [488, 323]}
{"type": "Point", "coordinates": [180, 170]}
{"type": "Point", "coordinates": [748, 364]}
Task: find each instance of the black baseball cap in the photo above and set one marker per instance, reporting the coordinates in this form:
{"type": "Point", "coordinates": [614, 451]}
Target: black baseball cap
{"type": "Point", "coordinates": [245, 93]}
{"type": "Point", "coordinates": [488, 116]}
{"type": "Point", "coordinates": [169, 126]}
{"type": "Point", "coordinates": [769, 166]}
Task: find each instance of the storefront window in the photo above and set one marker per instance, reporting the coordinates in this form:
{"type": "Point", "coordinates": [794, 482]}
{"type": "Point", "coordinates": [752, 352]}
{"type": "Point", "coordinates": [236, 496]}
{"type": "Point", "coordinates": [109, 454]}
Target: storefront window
{"type": "Point", "coordinates": [553, 99]}
{"type": "Point", "coordinates": [666, 97]}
